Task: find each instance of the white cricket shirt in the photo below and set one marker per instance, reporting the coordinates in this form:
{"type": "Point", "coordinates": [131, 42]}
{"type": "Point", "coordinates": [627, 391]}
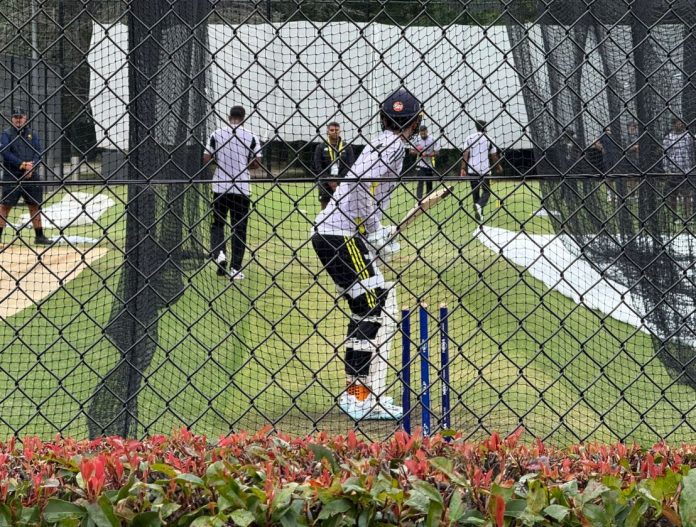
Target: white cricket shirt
{"type": "Point", "coordinates": [233, 149]}
{"type": "Point", "coordinates": [479, 148]}
{"type": "Point", "coordinates": [357, 205]}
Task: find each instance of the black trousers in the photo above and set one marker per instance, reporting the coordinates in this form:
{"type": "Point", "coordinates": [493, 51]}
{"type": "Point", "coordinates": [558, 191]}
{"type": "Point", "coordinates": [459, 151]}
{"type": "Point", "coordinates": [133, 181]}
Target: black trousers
{"type": "Point", "coordinates": [480, 190]}
{"type": "Point", "coordinates": [237, 206]}
{"type": "Point", "coordinates": [428, 176]}
{"type": "Point", "coordinates": [343, 257]}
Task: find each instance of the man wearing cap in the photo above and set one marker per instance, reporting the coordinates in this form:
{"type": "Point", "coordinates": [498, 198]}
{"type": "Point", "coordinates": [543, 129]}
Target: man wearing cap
{"type": "Point", "coordinates": [332, 160]}
{"type": "Point", "coordinates": [21, 151]}
{"type": "Point", "coordinates": [425, 149]}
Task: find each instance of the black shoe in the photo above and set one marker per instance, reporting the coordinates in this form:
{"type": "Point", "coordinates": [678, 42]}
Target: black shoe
{"type": "Point", "coordinates": [42, 240]}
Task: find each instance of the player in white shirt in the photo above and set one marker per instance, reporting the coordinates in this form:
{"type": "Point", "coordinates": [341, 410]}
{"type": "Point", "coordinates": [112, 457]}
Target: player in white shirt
{"type": "Point", "coordinates": [347, 234]}
{"type": "Point", "coordinates": [235, 150]}
{"type": "Point", "coordinates": [479, 154]}
{"type": "Point", "coordinates": [425, 149]}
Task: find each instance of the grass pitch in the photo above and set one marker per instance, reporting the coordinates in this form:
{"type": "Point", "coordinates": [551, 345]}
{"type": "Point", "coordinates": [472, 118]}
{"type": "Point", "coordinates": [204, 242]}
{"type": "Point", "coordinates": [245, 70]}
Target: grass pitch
{"type": "Point", "coordinates": [267, 349]}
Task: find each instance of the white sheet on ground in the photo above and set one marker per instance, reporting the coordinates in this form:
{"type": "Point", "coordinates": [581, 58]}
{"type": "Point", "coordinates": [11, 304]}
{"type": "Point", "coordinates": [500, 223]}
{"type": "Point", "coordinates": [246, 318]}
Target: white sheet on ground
{"type": "Point", "coordinates": [76, 208]}
{"type": "Point", "coordinates": [545, 257]}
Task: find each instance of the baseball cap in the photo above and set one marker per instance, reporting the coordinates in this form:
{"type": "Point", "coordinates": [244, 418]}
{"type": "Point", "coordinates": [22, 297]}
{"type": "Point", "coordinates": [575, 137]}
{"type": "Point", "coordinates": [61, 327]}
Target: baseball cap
{"type": "Point", "coordinates": [18, 111]}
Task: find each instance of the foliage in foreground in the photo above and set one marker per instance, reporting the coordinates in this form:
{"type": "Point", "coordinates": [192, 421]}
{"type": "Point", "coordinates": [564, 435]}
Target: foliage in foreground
{"type": "Point", "coordinates": [341, 480]}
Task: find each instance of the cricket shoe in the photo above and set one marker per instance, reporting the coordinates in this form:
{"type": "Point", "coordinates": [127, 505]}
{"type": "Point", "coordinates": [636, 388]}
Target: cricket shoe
{"type": "Point", "coordinates": [353, 407]}
{"type": "Point", "coordinates": [479, 212]}
{"type": "Point", "coordinates": [383, 410]}
{"type": "Point", "coordinates": [42, 240]}
{"type": "Point", "coordinates": [236, 275]}
{"type": "Point", "coordinates": [221, 262]}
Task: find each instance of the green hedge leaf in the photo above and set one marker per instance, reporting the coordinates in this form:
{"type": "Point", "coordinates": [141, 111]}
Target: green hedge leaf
{"type": "Point", "coordinates": [242, 518]}
{"type": "Point", "coordinates": [165, 469]}
{"type": "Point", "coordinates": [557, 512]}
{"type": "Point", "coordinates": [472, 517]}
{"type": "Point", "coordinates": [102, 513]}
{"type": "Point", "coordinates": [321, 452]}
{"type": "Point", "coordinates": [189, 478]}
{"type": "Point", "coordinates": [687, 500]}
{"type": "Point", "coordinates": [58, 510]}
{"type": "Point", "coordinates": [30, 515]}
{"type": "Point", "coordinates": [593, 491]}
{"type": "Point", "coordinates": [146, 519]}
{"type": "Point", "coordinates": [5, 516]}
{"type": "Point", "coordinates": [335, 507]}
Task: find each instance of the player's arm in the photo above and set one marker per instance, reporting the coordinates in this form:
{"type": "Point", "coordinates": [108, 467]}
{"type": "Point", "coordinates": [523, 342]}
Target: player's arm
{"type": "Point", "coordinates": [209, 152]}
{"type": "Point", "coordinates": [317, 167]}
{"type": "Point", "coordinates": [349, 159]}
{"type": "Point", "coordinates": [256, 153]}
{"type": "Point", "coordinates": [465, 162]}
{"type": "Point", "coordinates": [434, 150]}
{"type": "Point", "coordinates": [494, 159]}
{"type": "Point", "coordinates": [6, 152]}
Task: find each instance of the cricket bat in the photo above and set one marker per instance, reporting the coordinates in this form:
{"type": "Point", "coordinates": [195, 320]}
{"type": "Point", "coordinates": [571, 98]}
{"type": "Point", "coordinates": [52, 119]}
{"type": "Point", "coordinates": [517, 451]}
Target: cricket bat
{"type": "Point", "coordinates": [428, 202]}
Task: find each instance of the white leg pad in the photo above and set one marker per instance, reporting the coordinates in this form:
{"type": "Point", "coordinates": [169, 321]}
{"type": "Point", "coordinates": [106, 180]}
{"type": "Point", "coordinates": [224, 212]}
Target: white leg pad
{"type": "Point", "coordinates": [377, 378]}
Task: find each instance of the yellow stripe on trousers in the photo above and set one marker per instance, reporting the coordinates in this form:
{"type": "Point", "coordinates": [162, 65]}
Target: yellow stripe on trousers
{"type": "Point", "coordinates": [360, 267]}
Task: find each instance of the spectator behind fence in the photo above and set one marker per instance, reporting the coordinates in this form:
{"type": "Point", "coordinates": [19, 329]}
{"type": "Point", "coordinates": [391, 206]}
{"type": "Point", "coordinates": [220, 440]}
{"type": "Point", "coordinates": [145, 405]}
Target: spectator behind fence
{"type": "Point", "coordinates": [235, 150]}
{"type": "Point", "coordinates": [21, 151]}
{"type": "Point", "coordinates": [678, 147]}
{"type": "Point", "coordinates": [607, 159]}
{"type": "Point", "coordinates": [332, 160]}
{"type": "Point", "coordinates": [425, 149]}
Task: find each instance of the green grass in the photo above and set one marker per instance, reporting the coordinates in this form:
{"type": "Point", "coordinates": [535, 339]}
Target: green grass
{"type": "Point", "coordinates": [235, 355]}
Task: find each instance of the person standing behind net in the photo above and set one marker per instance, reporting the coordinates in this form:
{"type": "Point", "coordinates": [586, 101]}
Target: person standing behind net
{"type": "Point", "coordinates": [235, 150]}
{"type": "Point", "coordinates": [479, 155]}
{"type": "Point", "coordinates": [425, 149]}
{"type": "Point", "coordinates": [678, 146]}
{"type": "Point", "coordinates": [348, 237]}
{"type": "Point", "coordinates": [331, 162]}
{"type": "Point", "coordinates": [21, 151]}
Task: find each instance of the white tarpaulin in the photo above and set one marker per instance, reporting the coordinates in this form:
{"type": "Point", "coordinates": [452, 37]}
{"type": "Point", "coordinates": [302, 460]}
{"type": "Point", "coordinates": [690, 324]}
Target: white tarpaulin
{"type": "Point", "coordinates": [557, 262]}
{"type": "Point", "coordinates": [76, 208]}
{"type": "Point", "coordinates": [301, 76]}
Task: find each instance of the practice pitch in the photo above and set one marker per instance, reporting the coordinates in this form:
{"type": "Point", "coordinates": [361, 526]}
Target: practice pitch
{"type": "Point", "coordinates": [28, 275]}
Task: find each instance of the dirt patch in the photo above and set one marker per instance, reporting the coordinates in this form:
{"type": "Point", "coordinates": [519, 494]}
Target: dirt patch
{"type": "Point", "coordinates": [30, 274]}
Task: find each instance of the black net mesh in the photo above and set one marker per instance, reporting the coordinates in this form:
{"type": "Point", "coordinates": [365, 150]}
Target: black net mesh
{"type": "Point", "coordinates": [569, 295]}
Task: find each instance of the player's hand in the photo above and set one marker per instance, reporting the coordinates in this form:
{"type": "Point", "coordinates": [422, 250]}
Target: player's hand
{"type": "Point", "coordinates": [382, 239]}
{"type": "Point", "coordinates": [387, 252]}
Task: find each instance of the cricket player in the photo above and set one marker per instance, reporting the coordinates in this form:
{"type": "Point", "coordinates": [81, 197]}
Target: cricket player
{"type": "Point", "coordinates": [348, 237]}
{"type": "Point", "coordinates": [235, 150]}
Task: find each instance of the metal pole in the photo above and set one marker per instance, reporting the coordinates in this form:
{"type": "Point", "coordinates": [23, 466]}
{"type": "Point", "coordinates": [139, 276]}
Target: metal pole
{"type": "Point", "coordinates": [34, 87]}
{"type": "Point", "coordinates": [61, 54]}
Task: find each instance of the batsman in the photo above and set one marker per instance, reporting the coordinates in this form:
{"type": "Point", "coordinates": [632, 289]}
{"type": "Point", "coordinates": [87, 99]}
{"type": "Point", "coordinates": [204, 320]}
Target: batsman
{"type": "Point", "coordinates": [348, 238]}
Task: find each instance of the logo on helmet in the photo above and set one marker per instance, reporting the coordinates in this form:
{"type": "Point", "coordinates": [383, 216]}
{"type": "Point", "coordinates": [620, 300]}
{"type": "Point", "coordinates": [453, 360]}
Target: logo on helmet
{"type": "Point", "coordinates": [398, 106]}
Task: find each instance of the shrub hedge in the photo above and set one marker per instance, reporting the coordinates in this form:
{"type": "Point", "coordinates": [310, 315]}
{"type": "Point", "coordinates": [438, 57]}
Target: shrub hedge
{"type": "Point", "coordinates": [263, 479]}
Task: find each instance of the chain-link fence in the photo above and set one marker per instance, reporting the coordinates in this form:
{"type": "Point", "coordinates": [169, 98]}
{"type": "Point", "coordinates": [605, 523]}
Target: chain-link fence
{"type": "Point", "coordinates": [195, 266]}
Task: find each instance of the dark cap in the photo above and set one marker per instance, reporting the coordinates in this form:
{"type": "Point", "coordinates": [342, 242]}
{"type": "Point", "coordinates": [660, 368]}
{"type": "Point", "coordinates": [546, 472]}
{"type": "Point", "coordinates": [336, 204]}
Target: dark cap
{"type": "Point", "coordinates": [18, 111]}
{"type": "Point", "coordinates": [423, 128]}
